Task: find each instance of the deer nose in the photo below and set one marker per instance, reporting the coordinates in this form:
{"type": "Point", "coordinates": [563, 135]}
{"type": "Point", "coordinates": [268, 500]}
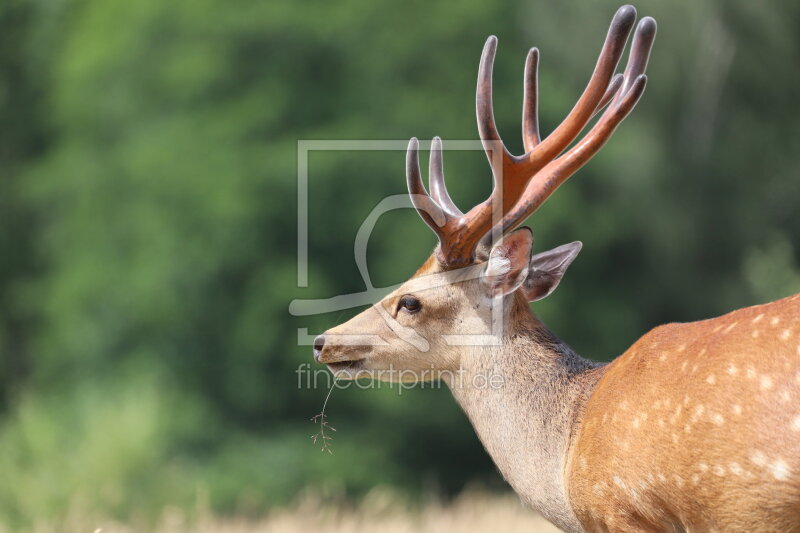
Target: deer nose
{"type": "Point", "coordinates": [319, 344]}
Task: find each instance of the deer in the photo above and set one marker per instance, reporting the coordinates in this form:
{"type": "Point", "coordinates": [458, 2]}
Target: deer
{"type": "Point", "coordinates": [695, 427]}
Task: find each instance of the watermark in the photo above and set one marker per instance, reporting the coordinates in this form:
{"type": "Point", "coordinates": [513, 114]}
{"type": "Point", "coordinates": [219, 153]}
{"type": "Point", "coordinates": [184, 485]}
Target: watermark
{"type": "Point", "coordinates": [399, 379]}
{"type": "Point", "coordinates": [372, 294]}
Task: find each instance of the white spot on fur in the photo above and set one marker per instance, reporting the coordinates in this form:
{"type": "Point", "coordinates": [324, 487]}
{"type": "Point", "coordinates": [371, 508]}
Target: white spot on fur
{"type": "Point", "coordinates": [681, 348]}
{"type": "Point", "coordinates": [751, 372]}
{"type": "Point", "coordinates": [766, 383]}
{"type": "Point", "coordinates": [678, 480]}
{"type": "Point", "coordinates": [702, 352]}
{"type": "Point", "coordinates": [618, 481]}
{"type": "Point", "coordinates": [730, 328]}
{"type": "Point", "coordinates": [736, 408]}
{"type": "Point", "coordinates": [796, 423]}
{"type": "Point", "coordinates": [758, 458]}
{"type": "Point", "coordinates": [698, 412]}
{"type": "Point", "coordinates": [687, 428]}
{"type": "Point", "coordinates": [683, 366]}
{"type": "Point", "coordinates": [785, 396]}
{"type": "Point", "coordinates": [675, 415]}
{"type": "Point", "coordinates": [732, 370]}
{"type": "Point", "coordinates": [661, 477]}
{"type": "Point", "coordinates": [780, 470]}
{"type": "Point", "coordinates": [758, 318]}
{"type": "Point", "coordinates": [785, 334]}
{"type": "Point", "coordinates": [695, 479]}
{"type": "Point", "coordinates": [719, 470]}
{"type": "Point", "coordinates": [755, 333]}
{"type": "Point", "coordinates": [711, 379]}
{"type": "Point", "coordinates": [717, 419]}
{"type": "Point", "coordinates": [694, 369]}
{"type": "Point", "coordinates": [598, 489]}
{"type": "Point", "coordinates": [736, 469]}
{"type": "Point", "coordinates": [703, 467]}
{"type": "Point", "coordinates": [775, 320]}
{"type": "Point", "coordinates": [635, 423]}
{"type": "Point", "coordinates": [663, 356]}
{"type": "Point", "coordinates": [675, 438]}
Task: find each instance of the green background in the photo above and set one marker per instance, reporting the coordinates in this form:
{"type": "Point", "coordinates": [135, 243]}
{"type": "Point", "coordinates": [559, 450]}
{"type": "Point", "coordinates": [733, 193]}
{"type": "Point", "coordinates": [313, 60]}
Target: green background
{"type": "Point", "coordinates": [148, 224]}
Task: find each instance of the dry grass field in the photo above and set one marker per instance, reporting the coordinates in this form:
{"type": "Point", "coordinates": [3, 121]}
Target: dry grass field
{"type": "Point", "coordinates": [472, 512]}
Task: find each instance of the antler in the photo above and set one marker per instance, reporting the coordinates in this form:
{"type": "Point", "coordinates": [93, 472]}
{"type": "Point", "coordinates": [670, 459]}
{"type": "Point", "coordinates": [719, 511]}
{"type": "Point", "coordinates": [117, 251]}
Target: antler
{"type": "Point", "coordinates": [523, 183]}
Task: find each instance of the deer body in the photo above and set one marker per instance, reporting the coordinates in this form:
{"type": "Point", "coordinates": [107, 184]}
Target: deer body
{"type": "Point", "coordinates": [695, 428]}
{"type": "Point", "coordinates": [696, 425]}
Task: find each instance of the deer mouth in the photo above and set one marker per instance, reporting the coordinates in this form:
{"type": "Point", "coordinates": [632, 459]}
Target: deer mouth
{"type": "Point", "coordinates": [346, 368]}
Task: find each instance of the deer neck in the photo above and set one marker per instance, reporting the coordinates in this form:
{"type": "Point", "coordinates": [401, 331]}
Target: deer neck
{"type": "Point", "coordinates": [524, 398]}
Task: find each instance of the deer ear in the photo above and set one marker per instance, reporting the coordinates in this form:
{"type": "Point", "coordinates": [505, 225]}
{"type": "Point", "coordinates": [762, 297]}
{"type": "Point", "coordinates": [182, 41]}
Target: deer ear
{"type": "Point", "coordinates": [547, 269]}
{"type": "Point", "coordinates": [508, 262]}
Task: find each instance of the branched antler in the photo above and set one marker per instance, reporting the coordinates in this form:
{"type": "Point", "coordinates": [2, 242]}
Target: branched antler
{"type": "Point", "coordinates": [522, 183]}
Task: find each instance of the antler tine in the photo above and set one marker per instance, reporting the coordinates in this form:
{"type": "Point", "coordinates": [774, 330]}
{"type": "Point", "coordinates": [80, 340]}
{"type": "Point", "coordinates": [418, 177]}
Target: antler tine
{"type": "Point", "coordinates": [433, 215]}
{"type": "Point", "coordinates": [530, 102]}
{"type": "Point", "coordinates": [557, 171]}
{"type": "Point", "coordinates": [640, 53]}
{"type": "Point", "coordinates": [436, 177]}
{"type": "Point", "coordinates": [611, 92]}
{"type": "Point", "coordinates": [487, 127]}
{"type": "Point", "coordinates": [454, 229]}
{"type": "Point", "coordinates": [593, 94]}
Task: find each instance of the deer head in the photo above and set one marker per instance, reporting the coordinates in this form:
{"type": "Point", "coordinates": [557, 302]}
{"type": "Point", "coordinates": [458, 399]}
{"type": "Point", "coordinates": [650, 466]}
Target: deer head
{"type": "Point", "coordinates": [482, 267]}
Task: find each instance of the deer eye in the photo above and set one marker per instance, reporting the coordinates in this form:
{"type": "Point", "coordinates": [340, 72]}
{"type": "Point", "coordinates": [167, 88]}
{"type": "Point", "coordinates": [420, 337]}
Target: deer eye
{"type": "Point", "coordinates": [409, 304]}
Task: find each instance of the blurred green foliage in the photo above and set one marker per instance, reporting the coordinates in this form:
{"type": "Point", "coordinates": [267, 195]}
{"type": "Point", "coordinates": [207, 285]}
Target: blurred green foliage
{"type": "Point", "coordinates": [148, 163]}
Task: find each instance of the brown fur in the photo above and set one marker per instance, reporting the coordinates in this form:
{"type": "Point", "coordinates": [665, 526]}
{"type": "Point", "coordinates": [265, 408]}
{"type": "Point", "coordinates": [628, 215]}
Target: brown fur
{"type": "Point", "coordinates": [695, 426]}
